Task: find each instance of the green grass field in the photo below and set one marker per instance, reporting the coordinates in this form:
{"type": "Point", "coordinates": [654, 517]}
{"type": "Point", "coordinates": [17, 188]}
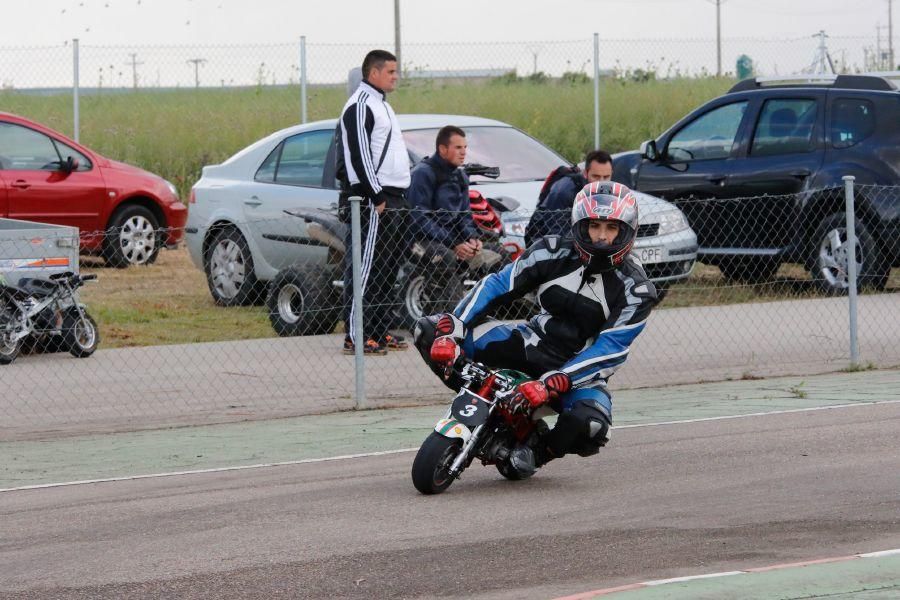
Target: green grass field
{"type": "Point", "coordinates": [175, 133]}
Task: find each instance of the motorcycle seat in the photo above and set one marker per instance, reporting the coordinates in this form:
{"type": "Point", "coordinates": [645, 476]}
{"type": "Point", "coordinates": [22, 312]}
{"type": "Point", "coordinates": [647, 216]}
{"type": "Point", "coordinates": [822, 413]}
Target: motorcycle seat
{"type": "Point", "coordinates": [36, 287]}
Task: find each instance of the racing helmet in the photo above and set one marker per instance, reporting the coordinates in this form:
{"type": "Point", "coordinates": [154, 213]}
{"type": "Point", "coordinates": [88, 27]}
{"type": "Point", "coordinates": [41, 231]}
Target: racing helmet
{"type": "Point", "coordinates": [607, 201]}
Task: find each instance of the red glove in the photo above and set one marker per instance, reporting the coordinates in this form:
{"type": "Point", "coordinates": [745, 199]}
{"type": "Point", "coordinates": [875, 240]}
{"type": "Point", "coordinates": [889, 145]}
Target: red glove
{"type": "Point", "coordinates": [557, 383]}
{"type": "Point", "coordinates": [445, 350]}
{"type": "Point", "coordinates": [527, 396]}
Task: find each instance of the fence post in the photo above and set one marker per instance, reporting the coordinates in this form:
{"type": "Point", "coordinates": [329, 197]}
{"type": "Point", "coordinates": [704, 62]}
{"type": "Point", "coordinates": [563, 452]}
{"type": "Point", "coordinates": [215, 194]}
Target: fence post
{"type": "Point", "coordinates": [303, 79]}
{"type": "Point", "coordinates": [356, 314]}
{"type": "Point", "coordinates": [75, 115]}
{"type": "Point", "coordinates": [596, 91]}
{"type": "Point", "coordinates": [851, 266]}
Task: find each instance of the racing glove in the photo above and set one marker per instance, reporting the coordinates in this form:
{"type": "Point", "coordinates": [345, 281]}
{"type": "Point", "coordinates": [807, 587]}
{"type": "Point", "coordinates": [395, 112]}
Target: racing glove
{"type": "Point", "coordinates": [556, 382]}
{"type": "Point", "coordinates": [526, 397]}
{"type": "Point", "coordinates": [445, 350]}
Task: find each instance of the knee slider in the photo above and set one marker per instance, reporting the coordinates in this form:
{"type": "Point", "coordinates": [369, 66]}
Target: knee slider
{"type": "Point", "coordinates": [594, 426]}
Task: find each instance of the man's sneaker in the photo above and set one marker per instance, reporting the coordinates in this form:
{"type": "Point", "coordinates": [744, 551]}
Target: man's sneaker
{"type": "Point", "coordinates": [371, 347]}
{"type": "Point", "coordinates": [394, 342]}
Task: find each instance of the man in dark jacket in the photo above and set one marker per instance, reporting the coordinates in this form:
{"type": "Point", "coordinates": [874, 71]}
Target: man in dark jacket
{"type": "Point", "coordinates": [551, 217]}
{"type": "Point", "coordinates": [439, 196]}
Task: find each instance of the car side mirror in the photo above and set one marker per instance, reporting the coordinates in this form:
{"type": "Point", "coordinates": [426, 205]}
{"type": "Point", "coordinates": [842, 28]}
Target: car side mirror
{"type": "Point", "coordinates": [69, 166]}
{"type": "Point", "coordinates": [649, 151]}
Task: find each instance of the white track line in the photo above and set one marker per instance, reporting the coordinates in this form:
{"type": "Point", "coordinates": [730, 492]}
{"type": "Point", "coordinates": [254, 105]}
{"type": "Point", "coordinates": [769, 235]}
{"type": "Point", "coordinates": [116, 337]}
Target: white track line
{"type": "Point", "coordinates": [645, 584]}
{"type": "Point", "coordinates": [386, 452]}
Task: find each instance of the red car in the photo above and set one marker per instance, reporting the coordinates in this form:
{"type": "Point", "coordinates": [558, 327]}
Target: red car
{"type": "Point", "coordinates": [123, 213]}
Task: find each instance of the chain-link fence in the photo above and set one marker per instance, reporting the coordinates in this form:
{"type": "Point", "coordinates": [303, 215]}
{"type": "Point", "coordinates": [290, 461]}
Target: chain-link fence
{"type": "Point", "coordinates": [210, 335]}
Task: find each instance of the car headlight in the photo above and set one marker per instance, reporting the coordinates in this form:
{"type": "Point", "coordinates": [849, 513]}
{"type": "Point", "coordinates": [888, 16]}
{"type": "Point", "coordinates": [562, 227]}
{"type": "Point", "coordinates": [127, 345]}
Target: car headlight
{"type": "Point", "coordinates": [671, 221]}
{"type": "Point", "coordinates": [172, 188]}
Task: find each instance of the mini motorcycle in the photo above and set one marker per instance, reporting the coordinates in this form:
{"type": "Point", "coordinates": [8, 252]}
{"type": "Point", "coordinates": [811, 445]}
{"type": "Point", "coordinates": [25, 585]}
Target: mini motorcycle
{"type": "Point", "coordinates": [477, 426]}
{"type": "Point", "coordinates": [47, 313]}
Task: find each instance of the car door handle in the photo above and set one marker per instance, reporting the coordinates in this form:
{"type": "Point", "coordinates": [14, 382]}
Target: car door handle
{"type": "Point", "coordinates": [21, 184]}
{"type": "Point", "coordinates": [253, 201]}
{"type": "Point", "coordinates": [800, 173]}
{"type": "Point", "coordinates": [717, 179]}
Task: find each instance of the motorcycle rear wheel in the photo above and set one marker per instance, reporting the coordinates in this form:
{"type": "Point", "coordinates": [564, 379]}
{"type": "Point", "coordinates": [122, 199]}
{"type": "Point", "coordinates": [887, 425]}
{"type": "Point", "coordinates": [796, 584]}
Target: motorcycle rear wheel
{"type": "Point", "coordinates": [430, 469]}
{"type": "Point", "coordinates": [8, 350]}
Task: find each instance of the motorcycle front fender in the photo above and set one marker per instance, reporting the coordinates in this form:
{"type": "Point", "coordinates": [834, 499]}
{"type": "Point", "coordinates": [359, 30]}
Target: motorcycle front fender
{"type": "Point", "coordinates": [451, 428]}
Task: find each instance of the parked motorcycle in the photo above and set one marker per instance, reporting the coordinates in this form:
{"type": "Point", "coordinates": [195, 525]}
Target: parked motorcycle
{"type": "Point", "coordinates": [477, 425]}
{"type": "Point", "coordinates": [48, 313]}
{"type": "Point", "coordinates": [307, 299]}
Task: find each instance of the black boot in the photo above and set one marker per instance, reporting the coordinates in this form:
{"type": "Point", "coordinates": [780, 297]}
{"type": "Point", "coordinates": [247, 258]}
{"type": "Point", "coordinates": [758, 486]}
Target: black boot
{"type": "Point", "coordinates": [533, 454]}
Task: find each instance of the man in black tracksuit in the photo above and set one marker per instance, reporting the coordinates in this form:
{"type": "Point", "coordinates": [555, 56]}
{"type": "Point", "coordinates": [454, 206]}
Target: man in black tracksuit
{"type": "Point", "coordinates": [373, 163]}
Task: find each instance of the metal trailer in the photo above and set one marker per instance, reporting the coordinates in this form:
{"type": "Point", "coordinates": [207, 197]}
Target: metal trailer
{"type": "Point", "coordinates": [38, 250]}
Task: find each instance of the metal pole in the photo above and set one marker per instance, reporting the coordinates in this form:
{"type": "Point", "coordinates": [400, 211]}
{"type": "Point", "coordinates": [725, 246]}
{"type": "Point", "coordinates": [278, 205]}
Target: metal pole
{"type": "Point", "coordinates": [76, 125]}
{"type": "Point", "coordinates": [359, 338]}
{"type": "Point", "coordinates": [893, 64]}
{"type": "Point", "coordinates": [851, 266]}
{"type": "Point", "coordinates": [303, 79]}
{"type": "Point", "coordinates": [718, 38]}
{"type": "Point", "coordinates": [397, 35]}
{"type": "Point", "coordinates": [596, 91]}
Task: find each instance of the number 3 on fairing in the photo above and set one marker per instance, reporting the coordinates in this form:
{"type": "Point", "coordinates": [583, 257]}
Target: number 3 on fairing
{"type": "Point", "coordinates": [469, 410]}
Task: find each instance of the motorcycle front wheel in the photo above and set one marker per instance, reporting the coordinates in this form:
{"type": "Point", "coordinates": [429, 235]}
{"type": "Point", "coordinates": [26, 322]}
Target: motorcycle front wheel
{"type": "Point", "coordinates": [431, 467]}
{"type": "Point", "coordinates": [80, 336]}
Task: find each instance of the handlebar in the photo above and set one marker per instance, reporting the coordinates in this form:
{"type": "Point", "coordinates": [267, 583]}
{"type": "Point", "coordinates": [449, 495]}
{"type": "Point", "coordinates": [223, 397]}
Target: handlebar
{"type": "Point", "coordinates": [483, 170]}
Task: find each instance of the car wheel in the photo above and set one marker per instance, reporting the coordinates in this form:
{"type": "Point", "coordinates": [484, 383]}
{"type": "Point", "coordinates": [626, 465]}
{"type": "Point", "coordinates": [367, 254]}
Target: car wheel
{"type": "Point", "coordinates": [302, 301]}
{"type": "Point", "coordinates": [830, 253]}
{"type": "Point", "coordinates": [133, 238]}
{"type": "Point", "coordinates": [749, 270]}
{"type": "Point", "coordinates": [229, 270]}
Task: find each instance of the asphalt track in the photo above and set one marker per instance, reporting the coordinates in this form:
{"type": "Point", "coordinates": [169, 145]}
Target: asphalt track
{"type": "Point", "coordinates": [789, 481]}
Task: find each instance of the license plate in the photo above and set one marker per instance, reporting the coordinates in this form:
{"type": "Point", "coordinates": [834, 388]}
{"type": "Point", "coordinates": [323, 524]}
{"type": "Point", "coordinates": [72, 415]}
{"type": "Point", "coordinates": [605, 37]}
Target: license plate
{"type": "Point", "coordinates": [650, 255]}
{"type": "Point", "coordinates": [470, 409]}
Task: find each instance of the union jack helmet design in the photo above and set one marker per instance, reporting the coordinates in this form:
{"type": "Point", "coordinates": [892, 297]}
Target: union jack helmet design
{"type": "Point", "coordinates": [605, 201]}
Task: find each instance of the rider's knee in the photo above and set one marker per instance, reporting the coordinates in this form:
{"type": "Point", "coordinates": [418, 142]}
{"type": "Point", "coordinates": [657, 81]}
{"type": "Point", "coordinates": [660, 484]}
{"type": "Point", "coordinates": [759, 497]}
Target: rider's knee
{"type": "Point", "coordinates": [590, 416]}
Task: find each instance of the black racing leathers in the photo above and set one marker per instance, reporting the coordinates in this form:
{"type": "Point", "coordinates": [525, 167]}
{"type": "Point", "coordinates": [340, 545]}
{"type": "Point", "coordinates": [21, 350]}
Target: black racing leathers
{"type": "Point", "coordinates": [587, 320]}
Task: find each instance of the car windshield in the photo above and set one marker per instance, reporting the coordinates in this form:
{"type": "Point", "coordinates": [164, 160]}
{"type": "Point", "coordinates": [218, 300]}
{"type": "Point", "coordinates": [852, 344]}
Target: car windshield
{"type": "Point", "coordinates": [520, 157]}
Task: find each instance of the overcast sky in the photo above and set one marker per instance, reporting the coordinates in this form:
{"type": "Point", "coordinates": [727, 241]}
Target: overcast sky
{"type": "Point", "coordinates": [156, 22]}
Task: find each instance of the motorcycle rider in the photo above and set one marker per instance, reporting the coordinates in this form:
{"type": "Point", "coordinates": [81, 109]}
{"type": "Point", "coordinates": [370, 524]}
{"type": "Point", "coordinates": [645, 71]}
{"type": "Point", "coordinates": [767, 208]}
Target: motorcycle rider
{"type": "Point", "coordinates": [595, 299]}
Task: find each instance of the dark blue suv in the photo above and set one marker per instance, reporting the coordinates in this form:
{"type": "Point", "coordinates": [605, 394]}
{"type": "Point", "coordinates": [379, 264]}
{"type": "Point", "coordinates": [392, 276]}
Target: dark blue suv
{"type": "Point", "coordinates": [758, 173]}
